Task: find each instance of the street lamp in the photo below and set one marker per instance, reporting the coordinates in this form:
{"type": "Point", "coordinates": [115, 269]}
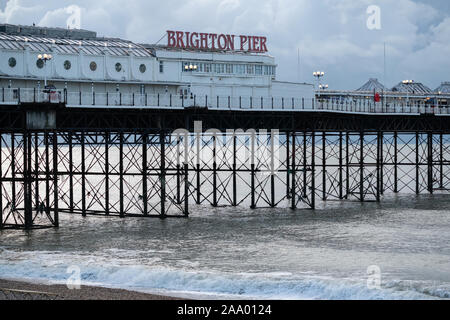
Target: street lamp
{"type": "Point", "coordinates": [318, 75]}
{"type": "Point", "coordinates": [190, 68]}
{"type": "Point", "coordinates": [45, 57]}
{"type": "Point", "coordinates": [407, 83]}
{"type": "Point", "coordinates": [323, 87]}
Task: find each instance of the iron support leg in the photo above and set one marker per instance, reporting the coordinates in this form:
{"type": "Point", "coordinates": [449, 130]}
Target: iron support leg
{"type": "Point", "coordinates": [417, 165]}
{"type": "Point", "coordinates": [430, 161]}
{"type": "Point", "coordinates": [163, 175]}
{"type": "Point", "coordinates": [144, 174]}
{"type": "Point", "coordinates": [55, 180]}
{"type": "Point", "coordinates": [395, 162]}
{"type": "Point", "coordinates": [293, 188]}
{"type": "Point", "coordinates": [83, 175]}
{"type": "Point", "coordinates": [324, 167]}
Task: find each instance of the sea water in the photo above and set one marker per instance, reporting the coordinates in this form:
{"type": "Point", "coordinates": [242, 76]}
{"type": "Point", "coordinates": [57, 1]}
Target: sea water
{"type": "Point", "coordinates": [396, 249]}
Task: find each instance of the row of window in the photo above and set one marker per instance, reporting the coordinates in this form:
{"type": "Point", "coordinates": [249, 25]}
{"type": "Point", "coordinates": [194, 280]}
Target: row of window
{"type": "Point", "coordinates": [228, 68]}
{"type": "Point", "coordinates": [12, 62]}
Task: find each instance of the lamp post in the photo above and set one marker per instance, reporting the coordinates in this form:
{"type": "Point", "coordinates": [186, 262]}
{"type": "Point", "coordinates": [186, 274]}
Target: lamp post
{"type": "Point", "coordinates": [318, 75]}
{"type": "Point", "coordinates": [45, 57]}
{"type": "Point", "coordinates": [407, 83]}
{"type": "Point", "coordinates": [190, 68]}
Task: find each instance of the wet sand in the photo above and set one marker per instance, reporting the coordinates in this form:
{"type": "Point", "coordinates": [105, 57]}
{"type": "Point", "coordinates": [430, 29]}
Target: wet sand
{"type": "Point", "coordinates": [18, 290]}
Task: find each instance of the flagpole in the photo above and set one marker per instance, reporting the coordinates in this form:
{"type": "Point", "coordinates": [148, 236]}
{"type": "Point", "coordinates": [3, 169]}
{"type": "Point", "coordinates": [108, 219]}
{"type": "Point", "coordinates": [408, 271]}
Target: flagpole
{"type": "Point", "coordinates": [384, 75]}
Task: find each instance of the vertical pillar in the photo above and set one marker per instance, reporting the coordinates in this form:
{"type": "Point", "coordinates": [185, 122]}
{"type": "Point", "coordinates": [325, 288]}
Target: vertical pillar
{"type": "Point", "coordinates": [214, 170]}
{"type": "Point", "coordinates": [395, 162]}
{"type": "Point", "coordinates": [27, 179]}
{"type": "Point", "coordinates": [430, 161]}
{"type": "Point", "coordinates": [361, 166]}
{"type": "Point", "coordinates": [313, 170]}
{"type": "Point", "coordinates": [13, 171]}
{"type": "Point", "coordinates": [324, 167]}
{"type": "Point", "coordinates": [288, 194]}
{"type": "Point", "coordinates": [121, 203]}
{"type": "Point", "coordinates": [186, 188]}
{"type": "Point", "coordinates": [379, 138]}
{"type": "Point", "coordinates": [144, 173]}
{"type": "Point", "coordinates": [252, 171]}
{"type": "Point", "coordinates": [381, 163]}
{"type": "Point", "coordinates": [441, 161]}
{"type": "Point", "coordinates": [417, 164]}
{"type": "Point", "coordinates": [162, 139]}
{"type": "Point", "coordinates": [305, 164]}
{"type": "Point", "coordinates": [272, 169]}
{"type": "Point", "coordinates": [83, 175]}
{"type": "Point", "coordinates": [340, 167]}
{"type": "Point", "coordinates": [293, 188]}
{"type": "Point", "coordinates": [234, 171]}
{"type": "Point", "coordinates": [47, 171]}
{"type": "Point", "coordinates": [198, 138]}
{"type": "Point", "coordinates": [107, 139]}
{"type": "Point", "coordinates": [55, 180]}
{"type": "Point", "coordinates": [347, 165]}
{"type": "Point", "coordinates": [36, 170]}
{"type": "Point", "coordinates": [178, 170]}
{"type": "Point", "coordinates": [1, 182]}
{"type": "Point", "coordinates": [70, 169]}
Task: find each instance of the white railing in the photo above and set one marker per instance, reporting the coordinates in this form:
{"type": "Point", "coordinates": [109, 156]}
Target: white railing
{"type": "Point", "coordinates": [369, 106]}
{"type": "Point", "coordinates": [120, 99]}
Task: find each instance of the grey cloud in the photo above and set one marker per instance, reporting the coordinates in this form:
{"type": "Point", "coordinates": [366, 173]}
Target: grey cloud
{"type": "Point", "coordinates": [332, 35]}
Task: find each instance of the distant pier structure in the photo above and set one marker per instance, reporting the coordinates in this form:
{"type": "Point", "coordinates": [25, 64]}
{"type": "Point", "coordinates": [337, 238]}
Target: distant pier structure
{"type": "Point", "coordinates": [102, 126]}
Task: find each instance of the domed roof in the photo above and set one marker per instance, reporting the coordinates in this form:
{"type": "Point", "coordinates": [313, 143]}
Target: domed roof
{"type": "Point", "coordinates": [411, 87]}
{"type": "Point", "coordinates": [372, 85]}
{"type": "Point", "coordinates": [443, 88]}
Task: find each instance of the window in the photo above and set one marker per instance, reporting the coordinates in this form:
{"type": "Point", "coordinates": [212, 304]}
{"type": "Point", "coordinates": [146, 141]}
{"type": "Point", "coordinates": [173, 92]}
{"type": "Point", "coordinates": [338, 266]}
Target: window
{"type": "Point", "coordinates": [250, 69]}
{"type": "Point", "coordinates": [118, 67]}
{"type": "Point", "coordinates": [67, 65]}
{"type": "Point", "coordinates": [161, 66]}
{"type": "Point", "coordinates": [229, 68]}
{"type": "Point", "coordinates": [40, 63]}
{"type": "Point", "coordinates": [93, 66]}
{"type": "Point", "coordinates": [142, 68]}
{"type": "Point", "coordinates": [219, 68]}
{"type": "Point", "coordinates": [207, 67]}
{"type": "Point", "coordinates": [240, 68]}
{"type": "Point", "coordinates": [12, 62]}
{"type": "Point", "coordinates": [258, 70]}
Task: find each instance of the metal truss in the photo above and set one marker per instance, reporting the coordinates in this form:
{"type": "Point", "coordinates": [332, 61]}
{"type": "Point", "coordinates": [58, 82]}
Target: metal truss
{"type": "Point", "coordinates": [28, 191]}
{"type": "Point", "coordinates": [139, 173]}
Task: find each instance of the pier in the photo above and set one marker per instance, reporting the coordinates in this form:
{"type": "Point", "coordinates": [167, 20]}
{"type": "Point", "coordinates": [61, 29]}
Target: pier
{"type": "Point", "coordinates": [116, 155]}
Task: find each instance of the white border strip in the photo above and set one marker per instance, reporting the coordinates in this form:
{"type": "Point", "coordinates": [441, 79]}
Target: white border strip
{"type": "Point", "coordinates": [245, 110]}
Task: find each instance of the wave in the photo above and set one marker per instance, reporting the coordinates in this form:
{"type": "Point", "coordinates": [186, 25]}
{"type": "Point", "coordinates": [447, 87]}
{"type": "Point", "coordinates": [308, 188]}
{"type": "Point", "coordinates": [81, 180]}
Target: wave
{"type": "Point", "coordinates": [52, 267]}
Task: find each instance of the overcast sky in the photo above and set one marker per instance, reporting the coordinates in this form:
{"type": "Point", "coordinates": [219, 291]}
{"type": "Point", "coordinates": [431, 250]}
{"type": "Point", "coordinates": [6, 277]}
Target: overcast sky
{"type": "Point", "coordinates": [332, 35]}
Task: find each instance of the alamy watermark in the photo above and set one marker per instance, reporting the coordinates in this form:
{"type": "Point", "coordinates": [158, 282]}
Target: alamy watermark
{"type": "Point", "coordinates": [374, 17]}
{"type": "Point", "coordinates": [373, 277]}
{"type": "Point", "coordinates": [232, 147]}
{"type": "Point", "coordinates": [74, 279]}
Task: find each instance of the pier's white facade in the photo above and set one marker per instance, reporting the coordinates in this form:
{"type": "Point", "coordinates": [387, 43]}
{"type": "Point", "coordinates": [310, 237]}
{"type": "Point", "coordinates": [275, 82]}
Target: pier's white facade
{"type": "Point", "coordinates": [83, 64]}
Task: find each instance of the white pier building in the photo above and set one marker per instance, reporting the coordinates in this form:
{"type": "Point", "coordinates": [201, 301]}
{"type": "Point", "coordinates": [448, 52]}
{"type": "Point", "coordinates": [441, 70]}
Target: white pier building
{"type": "Point", "coordinates": [87, 70]}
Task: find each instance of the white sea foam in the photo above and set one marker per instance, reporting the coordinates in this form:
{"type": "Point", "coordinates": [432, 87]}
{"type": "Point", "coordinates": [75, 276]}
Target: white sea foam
{"type": "Point", "coordinates": [46, 266]}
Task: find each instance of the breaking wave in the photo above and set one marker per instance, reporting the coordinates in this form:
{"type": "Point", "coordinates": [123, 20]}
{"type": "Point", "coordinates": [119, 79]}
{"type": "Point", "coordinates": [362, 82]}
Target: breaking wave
{"type": "Point", "coordinates": [187, 282]}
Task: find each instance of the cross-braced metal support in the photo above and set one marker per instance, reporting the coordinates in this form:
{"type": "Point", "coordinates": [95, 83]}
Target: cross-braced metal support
{"type": "Point", "coordinates": [142, 173]}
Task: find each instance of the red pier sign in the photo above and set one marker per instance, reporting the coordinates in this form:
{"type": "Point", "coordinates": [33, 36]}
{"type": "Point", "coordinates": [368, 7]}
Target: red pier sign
{"type": "Point", "coordinates": [213, 41]}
